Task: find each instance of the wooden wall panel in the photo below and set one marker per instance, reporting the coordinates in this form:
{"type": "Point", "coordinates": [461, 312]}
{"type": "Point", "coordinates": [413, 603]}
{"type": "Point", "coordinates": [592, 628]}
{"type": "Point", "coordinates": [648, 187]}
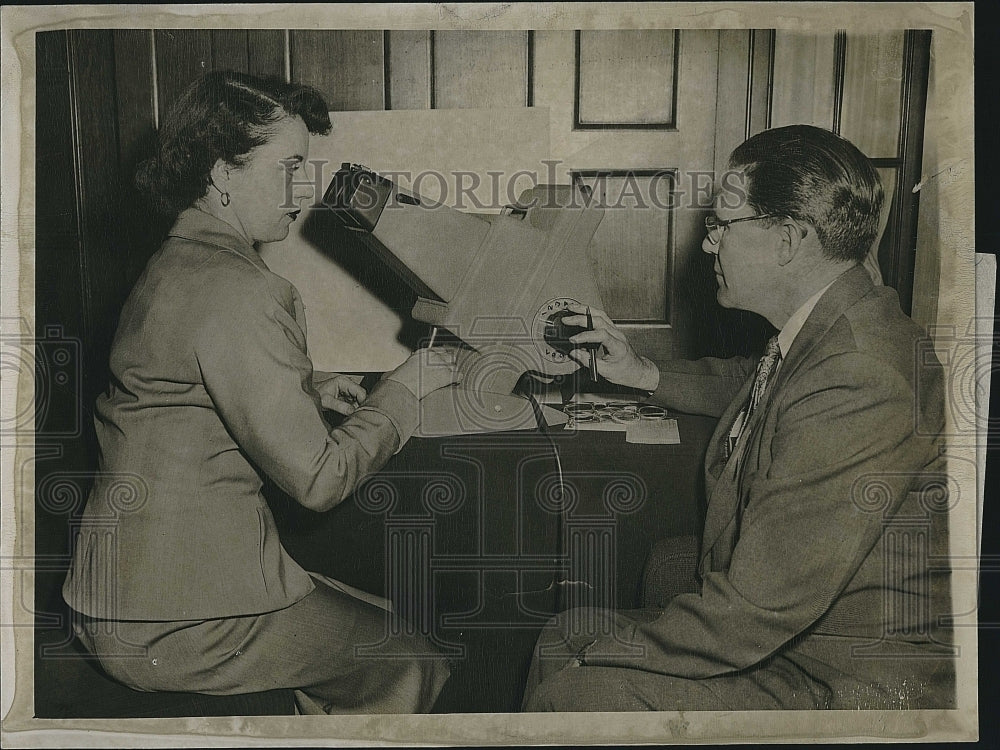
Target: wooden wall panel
{"type": "Point", "coordinates": [181, 56]}
{"type": "Point", "coordinates": [136, 141]}
{"type": "Point", "coordinates": [759, 81]}
{"type": "Point", "coordinates": [916, 71]}
{"type": "Point", "coordinates": [887, 239]}
{"type": "Point", "coordinates": [59, 284]}
{"type": "Point", "coordinates": [803, 91]}
{"type": "Point", "coordinates": [133, 92]}
{"type": "Point", "coordinates": [873, 79]}
{"type": "Point", "coordinates": [632, 247]}
{"type": "Point", "coordinates": [229, 50]}
{"type": "Point", "coordinates": [59, 317]}
{"type": "Point", "coordinates": [347, 66]}
{"type": "Point", "coordinates": [134, 95]}
{"type": "Point", "coordinates": [100, 183]}
{"type": "Point", "coordinates": [480, 69]}
{"type": "Point", "coordinates": [266, 52]}
{"type": "Point", "coordinates": [626, 78]}
{"type": "Point", "coordinates": [409, 73]}
{"type": "Point", "coordinates": [734, 84]}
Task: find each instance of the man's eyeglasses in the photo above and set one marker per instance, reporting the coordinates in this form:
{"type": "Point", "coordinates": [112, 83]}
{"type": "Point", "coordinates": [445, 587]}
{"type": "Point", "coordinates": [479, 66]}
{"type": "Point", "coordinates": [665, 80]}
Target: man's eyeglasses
{"type": "Point", "coordinates": [714, 225]}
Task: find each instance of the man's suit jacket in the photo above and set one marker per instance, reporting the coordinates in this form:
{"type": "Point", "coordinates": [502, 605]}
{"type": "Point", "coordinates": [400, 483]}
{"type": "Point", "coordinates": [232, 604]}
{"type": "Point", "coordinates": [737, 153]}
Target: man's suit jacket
{"type": "Point", "coordinates": [211, 389]}
{"type": "Point", "coordinates": [825, 536]}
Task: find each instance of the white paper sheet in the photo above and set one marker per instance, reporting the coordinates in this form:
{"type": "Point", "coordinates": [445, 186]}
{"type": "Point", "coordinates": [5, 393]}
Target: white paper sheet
{"type": "Point", "coordinates": [655, 431]}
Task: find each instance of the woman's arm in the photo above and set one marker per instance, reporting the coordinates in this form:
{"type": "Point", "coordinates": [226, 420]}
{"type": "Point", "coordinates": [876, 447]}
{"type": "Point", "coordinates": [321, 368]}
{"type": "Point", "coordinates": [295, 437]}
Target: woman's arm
{"type": "Point", "coordinates": [252, 356]}
{"type": "Point", "coordinates": [338, 392]}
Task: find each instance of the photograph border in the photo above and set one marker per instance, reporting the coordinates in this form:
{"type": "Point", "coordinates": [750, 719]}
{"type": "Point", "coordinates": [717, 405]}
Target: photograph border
{"type": "Point", "coordinates": [952, 22]}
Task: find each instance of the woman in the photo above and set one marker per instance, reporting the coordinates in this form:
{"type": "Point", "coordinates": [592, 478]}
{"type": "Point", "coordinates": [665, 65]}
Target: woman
{"type": "Point", "coordinates": [181, 583]}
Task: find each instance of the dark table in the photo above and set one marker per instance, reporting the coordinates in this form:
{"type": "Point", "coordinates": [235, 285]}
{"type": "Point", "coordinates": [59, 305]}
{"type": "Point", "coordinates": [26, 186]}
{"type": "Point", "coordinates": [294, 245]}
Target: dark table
{"type": "Point", "coordinates": [478, 543]}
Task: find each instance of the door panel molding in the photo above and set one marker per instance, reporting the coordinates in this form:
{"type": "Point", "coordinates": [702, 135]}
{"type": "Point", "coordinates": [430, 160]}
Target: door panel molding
{"type": "Point", "coordinates": [670, 123]}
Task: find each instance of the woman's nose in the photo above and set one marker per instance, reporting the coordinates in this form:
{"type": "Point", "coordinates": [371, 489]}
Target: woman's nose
{"type": "Point", "coordinates": [302, 186]}
{"type": "Point", "coordinates": [302, 191]}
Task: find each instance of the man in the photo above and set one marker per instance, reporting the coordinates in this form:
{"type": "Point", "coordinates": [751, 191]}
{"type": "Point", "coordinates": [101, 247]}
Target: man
{"type": "Point", "coordinates": [818, 586]}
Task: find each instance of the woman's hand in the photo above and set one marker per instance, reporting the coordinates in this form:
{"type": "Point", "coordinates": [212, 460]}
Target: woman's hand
{"type": "Point", "coordinates": [338, 392]}
{"type": "Point", "coordinates": [617, 361]}
{"type": "Point", "coordinates": [426, 370]}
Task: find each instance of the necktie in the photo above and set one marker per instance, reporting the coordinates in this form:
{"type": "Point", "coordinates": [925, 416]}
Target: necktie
{"type": "Point", "coordinates": [765, 368]}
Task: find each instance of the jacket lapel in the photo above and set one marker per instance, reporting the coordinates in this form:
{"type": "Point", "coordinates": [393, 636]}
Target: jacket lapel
{"type": "Point", "coordinates": [721, 490]}
{"type": "Point", "coordinates": [847, 290]}
{"type": "Point", "coordinates": [726, 494]}
{"type": "Point", "coordinates": [298, 310]}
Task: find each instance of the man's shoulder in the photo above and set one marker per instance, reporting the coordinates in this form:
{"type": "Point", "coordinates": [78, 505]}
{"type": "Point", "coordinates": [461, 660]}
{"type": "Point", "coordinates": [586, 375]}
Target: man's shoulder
{"type": "Point", "coordinates": [874, 342]}
{"type": "Point", "coordinates": [867, 322]}
{"type": "Point", "coordinates": [878, 327]}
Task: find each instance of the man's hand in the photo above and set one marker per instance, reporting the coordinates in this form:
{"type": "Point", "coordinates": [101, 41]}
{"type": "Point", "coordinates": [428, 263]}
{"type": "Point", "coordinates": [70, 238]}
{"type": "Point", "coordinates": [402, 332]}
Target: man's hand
{"type": "Point", "coordinates": [338, 392]}
{"type": "Point", "coordinates": [617, 361]}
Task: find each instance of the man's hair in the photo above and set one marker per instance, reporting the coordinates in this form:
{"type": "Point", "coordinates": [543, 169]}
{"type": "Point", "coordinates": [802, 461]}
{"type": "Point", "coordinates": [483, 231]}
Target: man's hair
{"type": "Point", "coordinates": [221, 115]}
{"type": "Point", "coordinates": [814, 176]}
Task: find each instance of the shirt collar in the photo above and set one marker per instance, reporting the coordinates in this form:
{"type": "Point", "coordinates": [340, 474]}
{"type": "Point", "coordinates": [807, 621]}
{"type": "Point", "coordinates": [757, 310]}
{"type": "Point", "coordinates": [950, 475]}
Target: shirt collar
{"type": "Point", "coordinates": [200, 226]}
{"type": "Point", "coordinates": [791, 329]}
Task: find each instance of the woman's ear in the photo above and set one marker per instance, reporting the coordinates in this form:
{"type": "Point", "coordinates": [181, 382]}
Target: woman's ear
{"type": "Point", "coordinates": [221, 172]}
{"type": "Point", "coordinates": [792, 236]}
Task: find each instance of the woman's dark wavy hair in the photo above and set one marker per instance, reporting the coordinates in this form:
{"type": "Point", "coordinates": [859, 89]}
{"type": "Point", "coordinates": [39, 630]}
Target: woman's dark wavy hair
{"type": "Point", "coordinates": [221, 115]}
{"type": "Point", "coordinates": [812, 175]}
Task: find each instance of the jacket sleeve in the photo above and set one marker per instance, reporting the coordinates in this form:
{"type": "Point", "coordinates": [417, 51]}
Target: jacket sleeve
{"type": "Point", "coordinates": [805, 530]}
{"type": "Point", "coordinates": [702, 386]}
{"type": "Point", "coordinates": [252, 356]}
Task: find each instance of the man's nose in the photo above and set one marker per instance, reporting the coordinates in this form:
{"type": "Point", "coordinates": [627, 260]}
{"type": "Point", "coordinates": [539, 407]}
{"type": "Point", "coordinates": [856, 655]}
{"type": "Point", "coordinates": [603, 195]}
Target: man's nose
{"type": "Point", "coordinates": [708, 247]}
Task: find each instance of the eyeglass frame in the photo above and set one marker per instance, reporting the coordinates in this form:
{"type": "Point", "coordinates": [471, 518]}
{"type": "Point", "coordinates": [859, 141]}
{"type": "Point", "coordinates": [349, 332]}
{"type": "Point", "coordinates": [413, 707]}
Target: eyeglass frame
{"type": "Point", "coordinates": [715, 224]}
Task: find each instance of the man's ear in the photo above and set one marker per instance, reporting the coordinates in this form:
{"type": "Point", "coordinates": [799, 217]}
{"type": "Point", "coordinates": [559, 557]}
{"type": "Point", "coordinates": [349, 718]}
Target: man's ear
{"type": "Point", "coordinates": [792, 235]}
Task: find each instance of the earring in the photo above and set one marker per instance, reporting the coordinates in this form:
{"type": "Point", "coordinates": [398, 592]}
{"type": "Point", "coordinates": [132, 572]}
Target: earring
{"type": "Point", "coordinates": [223, 197]}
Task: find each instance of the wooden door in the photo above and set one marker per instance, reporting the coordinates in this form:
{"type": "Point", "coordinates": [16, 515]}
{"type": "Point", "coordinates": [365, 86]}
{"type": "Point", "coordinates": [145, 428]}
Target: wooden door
{"type": "Point", "coordinates": [632, 115]}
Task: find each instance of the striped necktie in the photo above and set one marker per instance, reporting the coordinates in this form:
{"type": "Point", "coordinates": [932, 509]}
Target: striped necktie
{"type": "Point", "coordinates": [765, 368]}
